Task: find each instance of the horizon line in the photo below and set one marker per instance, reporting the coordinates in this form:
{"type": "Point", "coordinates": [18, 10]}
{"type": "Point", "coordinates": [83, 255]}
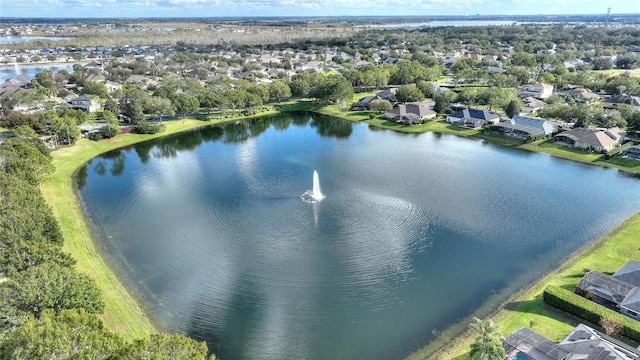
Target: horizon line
{"type": "Point", "coordinates": [310, 16]}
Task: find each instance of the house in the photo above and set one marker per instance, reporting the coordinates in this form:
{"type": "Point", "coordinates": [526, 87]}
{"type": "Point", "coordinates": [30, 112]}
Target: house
{"type": "Point", "coordinates": [83, 102]}
{"type": "Point", "coordinates": [526, 128]}
{"type": "Point", "coordinates": [581, 343]}
{"type": "Point", "coordinates": [365, 102]}
{"type": "Point", "coordinates": [437, 89]}
{"type": "Point", "coordinates": [136, 79]}
{"type": "Point", "coordinates": [620, 291]}
{"type": "Point", "coordinates": [532, 105]}
{"type": "Point", "coordinates": [388, 94]}
{"type": "Point", "coordinates": [614, 101]}
{"type": "Point", "coordinates": [473, 118]}
{"type": "Point", "coordinates": [599, 140]}
{"type": "Point", "coordinates": [94, 65]}
{"type": "Point", "coordinates": [583, 95]}
{"type": "Point", "coordinates": [412, 113]}
{"type": "Point", "coordinates": [539, 90]}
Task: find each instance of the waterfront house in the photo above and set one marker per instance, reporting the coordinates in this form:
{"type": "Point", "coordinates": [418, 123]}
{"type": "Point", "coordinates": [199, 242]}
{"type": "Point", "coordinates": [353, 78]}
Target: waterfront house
{"type": "Point", "coordinates": [581, 343]}
{"type": "Point", "coordinates": [620, 291]}
{"type": "Point", "coordinates": [412, 113]}
{"type": "Point", "coordinates": [591, 139]}
{"type": "Point", "coordinates": [525, 127]}
{"type": "Point", "coordinates": [473, 118]}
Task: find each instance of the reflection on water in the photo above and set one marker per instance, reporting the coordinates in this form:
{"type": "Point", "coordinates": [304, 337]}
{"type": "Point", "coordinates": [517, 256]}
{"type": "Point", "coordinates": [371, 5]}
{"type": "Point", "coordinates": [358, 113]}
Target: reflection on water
{"type": "Point", "coordinates": [232, 132]}
{"type": "Point", "coordinates": [416, 232]}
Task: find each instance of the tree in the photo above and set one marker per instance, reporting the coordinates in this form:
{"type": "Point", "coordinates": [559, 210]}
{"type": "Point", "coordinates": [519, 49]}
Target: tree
{"type": "Point", "coordinates": [408, 72]}
{"type": "Point", "coordinates": [333, 88]}
{"type": "Point", "coordinates": [488, 343]}
{"type": "Point", "coordinates": [443, 100]}
{"type": "Point", "coordinates": [165, 347]}
{"type": "Point", "coordinates": [113, 126]}
{"type": "Point", "coordinates": [185, 103]}
{"type": "Point", "coordinates": [409, 93]}
{"type": "Point", "coordinates": [160, 106]}
{"type": "Point", "coordinates": [25, 161]}
{"type": "Point", "coordinates": [601, 63]}
{"type": "Point", "coordinates": [300, 87]}
{"type": "Point", "coordinates": [112, 106]}
{"type": "Point", "coordinates": [65, 335]}
{"type": "Point", "coordinates": [521, 74]}
{"type": "Point", "coordinates": [380, 105]}
{"type": "Point", "coordinates": [133, 103]}
{"type": "Point", "coordinates": [513, 108]}
{"type": "Point", "coordinates": [64, 129]}
{"type": "Point", "coordinates": [24, 214]}
{"type": "Point", "coordinates": [628, 62]}
{"type": "Point", "coordinates": [279, 90]}
{"type": "Point", "coordinates": [95, 88]}
{"type": "Point", "coordinates": [50, 286]}
{"type": "Point", "coordinates": [209, 100]}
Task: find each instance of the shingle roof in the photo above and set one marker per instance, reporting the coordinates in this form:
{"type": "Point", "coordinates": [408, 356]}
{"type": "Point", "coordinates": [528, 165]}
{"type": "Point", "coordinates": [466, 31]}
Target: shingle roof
{"type": "Point", "coordinates": [630, 272]}
{"type": "Point", "coordinates": [475, 114]}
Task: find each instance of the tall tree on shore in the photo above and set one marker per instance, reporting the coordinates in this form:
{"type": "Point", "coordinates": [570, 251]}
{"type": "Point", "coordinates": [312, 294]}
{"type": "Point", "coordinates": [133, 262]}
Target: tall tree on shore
{"type": "Point", "coordinates": [488, 343]}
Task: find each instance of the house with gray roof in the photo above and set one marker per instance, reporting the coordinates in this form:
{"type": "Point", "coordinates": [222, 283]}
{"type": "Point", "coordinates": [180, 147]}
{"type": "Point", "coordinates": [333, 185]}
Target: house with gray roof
{"type": "Point", "coordinates": [617, 100]}
{"type": "Point", "coordinates": [591, 139]}
{"type": "Point", "coordinates": [620, 291]}
{"type": "Point", "coordinates": [473, 118]}
{"type": "Point", "coordinates": [583, 342]}
{"type": "Point", "coordinates": [412, 113]}
{"type": "Point", "coordinates": [525, 127]}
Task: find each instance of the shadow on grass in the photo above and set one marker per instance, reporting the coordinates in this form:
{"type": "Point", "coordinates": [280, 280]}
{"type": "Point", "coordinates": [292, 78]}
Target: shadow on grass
{"type": "Point", "coordinates": [302, 105]}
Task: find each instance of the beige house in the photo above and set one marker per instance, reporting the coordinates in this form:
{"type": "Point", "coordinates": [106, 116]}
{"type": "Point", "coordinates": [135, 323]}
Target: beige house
{"type": "Point", "coordinates": [539, 90]}
{"type": "Point", "coordinates": [598, 140]}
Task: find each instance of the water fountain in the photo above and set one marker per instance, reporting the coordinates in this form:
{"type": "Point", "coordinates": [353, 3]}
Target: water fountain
{"type": "Point", "coordinates": [315, 195]}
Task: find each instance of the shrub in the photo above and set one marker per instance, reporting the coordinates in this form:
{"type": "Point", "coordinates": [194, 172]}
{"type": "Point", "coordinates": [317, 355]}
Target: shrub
{"type": "Point", "coordinates": [588, 310]}
{"type": "Point", "coordinates": [95, 136]}
{"type": "Point", "coordinates": [146, 128]}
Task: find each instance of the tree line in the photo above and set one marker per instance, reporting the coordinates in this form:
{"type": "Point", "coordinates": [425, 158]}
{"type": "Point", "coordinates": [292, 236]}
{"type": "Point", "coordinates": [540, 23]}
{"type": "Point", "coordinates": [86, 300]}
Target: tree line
{"type": "Point", "coordinates": [47, 308]}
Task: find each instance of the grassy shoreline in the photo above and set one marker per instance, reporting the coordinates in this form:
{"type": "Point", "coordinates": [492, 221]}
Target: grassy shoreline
{"type": "Point", "coordinates": [124, 314]}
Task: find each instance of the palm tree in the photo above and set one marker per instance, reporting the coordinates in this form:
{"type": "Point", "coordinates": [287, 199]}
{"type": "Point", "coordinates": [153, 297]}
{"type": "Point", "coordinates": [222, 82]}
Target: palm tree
{"type": "Point", "coordinates": [488, 344]}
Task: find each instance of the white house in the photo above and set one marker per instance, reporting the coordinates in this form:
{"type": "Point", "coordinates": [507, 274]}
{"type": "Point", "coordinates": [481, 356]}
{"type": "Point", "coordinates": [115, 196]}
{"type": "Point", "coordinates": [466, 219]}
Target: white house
{"type": "Point", "coordinates": [84, 102]}
{"type": "Point", "coordinates": [539, 90]}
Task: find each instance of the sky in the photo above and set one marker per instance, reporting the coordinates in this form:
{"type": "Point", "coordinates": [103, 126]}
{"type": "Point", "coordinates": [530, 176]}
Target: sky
{"type": "Point", "coordinates": [213, 8]}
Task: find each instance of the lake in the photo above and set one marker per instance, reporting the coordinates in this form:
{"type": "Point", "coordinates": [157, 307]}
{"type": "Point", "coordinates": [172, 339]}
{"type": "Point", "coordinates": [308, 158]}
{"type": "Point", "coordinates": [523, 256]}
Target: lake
{"type": "Point", "coordinates": [28, 72]}
{"type": "Point", "coordinates": [456, 23]}
{"type": "Point", "coordinates": [26, 39]}
{"type": "Point", "coordinates": [416, 231]}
